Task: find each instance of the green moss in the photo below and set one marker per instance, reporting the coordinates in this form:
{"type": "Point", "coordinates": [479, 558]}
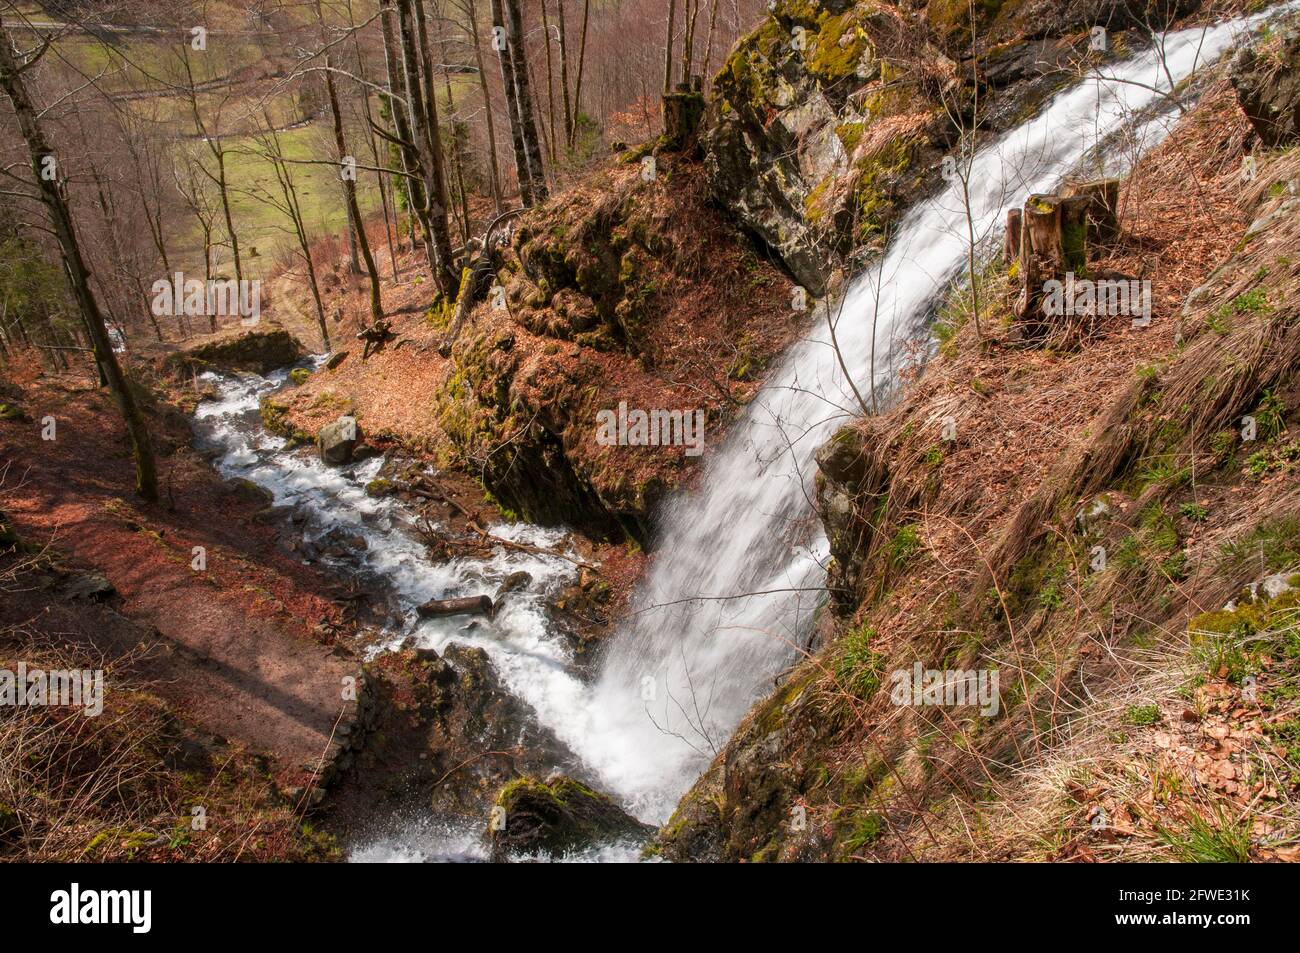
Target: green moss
{"type": "Point", "coordinates": [275, 417]}
{"type": "Point", "coordinates": [840, 47]}
{"type": "Point", "coordinates": [379, 487]}
{"type": "Point", "coordinates": [850, 134]}
{"type": "Point", "coordinates": [876, 183]}
{"type": "Point", "coordinates": [299, 375]}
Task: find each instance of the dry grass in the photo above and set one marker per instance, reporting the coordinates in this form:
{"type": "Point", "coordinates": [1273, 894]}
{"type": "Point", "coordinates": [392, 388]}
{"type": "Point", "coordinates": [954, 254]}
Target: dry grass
{"type": "Point", "coordinates": [124, 784]}
{"type": "Point", "coordinates": [1110, 709]}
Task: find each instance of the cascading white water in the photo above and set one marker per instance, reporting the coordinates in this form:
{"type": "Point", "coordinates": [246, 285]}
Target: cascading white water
{"type": "Point", "coordinates": [749, 529]}
{"type": "Point", "coordinates": [738, 572]}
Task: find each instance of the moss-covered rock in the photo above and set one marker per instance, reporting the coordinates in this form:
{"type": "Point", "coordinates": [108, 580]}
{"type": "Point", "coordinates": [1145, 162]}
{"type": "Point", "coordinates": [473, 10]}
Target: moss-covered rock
{"type": "Point", "coordinates": [795, 138]}
{"type": "Point", "coordinates": [260, 350]}
{"type": "Point", "coordinates": [555, 817]}
{"type": "Point", "coordinates": [1267, 82]}
{"type": "Point", "coordinates": [380, 488]}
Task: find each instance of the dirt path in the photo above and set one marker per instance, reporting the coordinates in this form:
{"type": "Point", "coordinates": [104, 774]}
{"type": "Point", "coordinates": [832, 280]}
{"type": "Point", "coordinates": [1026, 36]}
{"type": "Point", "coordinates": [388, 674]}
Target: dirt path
{"type": "Point", "coordinates": [245, 645]}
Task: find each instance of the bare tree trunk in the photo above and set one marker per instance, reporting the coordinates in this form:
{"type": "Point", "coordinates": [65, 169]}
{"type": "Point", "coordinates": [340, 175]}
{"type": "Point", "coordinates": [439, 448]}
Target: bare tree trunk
{"type": "Point", "coordinates": [512, 108]}
{"type": "Point", "coordinates": [524, 99]}
{"type": "Point", "coordinates": [394, 62]}
{"type": "Point", "coordinates": [708, 45]}
{"type": "Point", "coordinates": [456, 164]}
{"type": "Point", "coordinates": [691, 11]}
{"type": "Point", "coordinates": [289, 190]}
{"type": "Point", "coordinates": [582, 62]}
{"type": "Point", "coordinates": [493, 170]}
{"type": "Point", "coordinates": [564, 77]}
{"type": "Point", "coordinates": [350, 191]}
{"type": "Point", "coordinates": [668, 48]}
{"type": "Point", "coordinates": [146, 474]}
{"type": "Point", "coordinates": [354, 264]}
{"type": "Point", "coordinates": [550, 80]}
{"type": "Point", "coordinates": [217, 147]}
{"type": "Point", "coordinates": [424, 112]}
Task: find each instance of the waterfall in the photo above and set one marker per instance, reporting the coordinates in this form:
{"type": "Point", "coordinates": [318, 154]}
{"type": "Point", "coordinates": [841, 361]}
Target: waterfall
{"type": "Point", "coordinates": [738, 574]}
{"type": "Point", "coordinates": [682, 672]}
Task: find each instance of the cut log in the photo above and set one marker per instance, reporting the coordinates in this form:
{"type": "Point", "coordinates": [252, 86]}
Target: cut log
{"type": "Point", "coordinates": [466, 605]}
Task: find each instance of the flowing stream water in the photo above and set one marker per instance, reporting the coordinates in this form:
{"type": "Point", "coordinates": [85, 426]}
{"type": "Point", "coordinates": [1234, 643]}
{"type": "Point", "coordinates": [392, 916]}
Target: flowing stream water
{"type": "Point", "coordinates": [738, 570]}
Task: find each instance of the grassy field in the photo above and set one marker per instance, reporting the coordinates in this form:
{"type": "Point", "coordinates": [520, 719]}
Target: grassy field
{"type": "Point", "coordinates": [142, 70]}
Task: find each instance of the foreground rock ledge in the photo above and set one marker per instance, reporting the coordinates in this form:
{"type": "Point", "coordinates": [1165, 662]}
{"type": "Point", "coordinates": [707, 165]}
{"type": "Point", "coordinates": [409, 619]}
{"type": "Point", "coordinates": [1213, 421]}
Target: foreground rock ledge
{"type": "Point", "coordinates": [555, 817]}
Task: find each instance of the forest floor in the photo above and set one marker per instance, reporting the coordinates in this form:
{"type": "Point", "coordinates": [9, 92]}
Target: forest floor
{"type": "Point", "coordinates": [245, 646]}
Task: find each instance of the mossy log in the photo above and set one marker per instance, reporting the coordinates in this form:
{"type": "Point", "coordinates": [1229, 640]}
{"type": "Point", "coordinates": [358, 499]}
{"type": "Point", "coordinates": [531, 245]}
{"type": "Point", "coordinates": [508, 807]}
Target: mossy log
{"type": "Point", "coordinates": [471, 605]}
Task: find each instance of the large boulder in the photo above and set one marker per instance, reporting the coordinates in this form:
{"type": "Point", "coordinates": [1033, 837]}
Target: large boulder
{"type": "Point", "coordinates": [261, 350]}
{"type": "Point", "coordinates": [1267, 81]}
{"type": "Point", "coordinates": [338, 441]}
{"type": "Point", "coordinates": [556, 816]}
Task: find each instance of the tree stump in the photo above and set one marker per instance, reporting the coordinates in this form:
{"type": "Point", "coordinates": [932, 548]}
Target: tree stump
{"type": "Point", "coordinates": [1102, 210]}
{"type": "Point", "coordinates": [683, 110]}
{"type": "Point", "coordinates": [1011, 237]}
{"type": "Point", "coordinates": [1053, 242]}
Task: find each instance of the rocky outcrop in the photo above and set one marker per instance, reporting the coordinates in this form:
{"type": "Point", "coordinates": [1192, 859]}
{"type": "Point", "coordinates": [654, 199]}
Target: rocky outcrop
{"type": "Point", "coordinates": [998, 23]}
{"type": "Point", "coordinates": [1267, 81]}
{"type": "Point", "coordinates": [444, 735]}
{"type": "Point", "coordinates": [638, 291]}
{"type": "Point", "coordinates": [556, 816]}
{"type": "Point", "coordinates": [823, 120]}
{"type": "Point", "coordinates": [261, 350]}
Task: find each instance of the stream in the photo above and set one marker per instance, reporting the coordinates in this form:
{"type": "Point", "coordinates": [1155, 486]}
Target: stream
{"type": "Point", "coordinates": [738, 571]}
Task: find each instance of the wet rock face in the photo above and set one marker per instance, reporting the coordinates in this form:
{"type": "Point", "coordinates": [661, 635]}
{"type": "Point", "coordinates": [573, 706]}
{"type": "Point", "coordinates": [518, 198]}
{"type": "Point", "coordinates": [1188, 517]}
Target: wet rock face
{"type": "Point", "coordinates": [443, 735]}
{"type": "Point", "coordinates": [556, 816]}
{"type": "Point", "coordinates": [1267, 82]}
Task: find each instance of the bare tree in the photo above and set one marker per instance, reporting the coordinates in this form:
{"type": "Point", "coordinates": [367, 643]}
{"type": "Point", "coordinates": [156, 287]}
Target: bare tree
{"type": "Point", "coordinates": [524, 100]}
{"type": "Point", "coordinates": [11, 80]}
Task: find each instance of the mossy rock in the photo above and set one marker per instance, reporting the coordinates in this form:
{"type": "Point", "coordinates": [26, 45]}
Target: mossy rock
{"type": "Point", "coordinates": [556, 817]}
{"type": "Point", "coordinates": [299, 375]}
{"type": "Point", "coordinates": [380, 487]}
{"type": "Point", "coordinates": [248, 490]}
{"type": "Point", "coordinates": [260, 350]}
{"type": "Point", "coordinates": [10, 412]}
